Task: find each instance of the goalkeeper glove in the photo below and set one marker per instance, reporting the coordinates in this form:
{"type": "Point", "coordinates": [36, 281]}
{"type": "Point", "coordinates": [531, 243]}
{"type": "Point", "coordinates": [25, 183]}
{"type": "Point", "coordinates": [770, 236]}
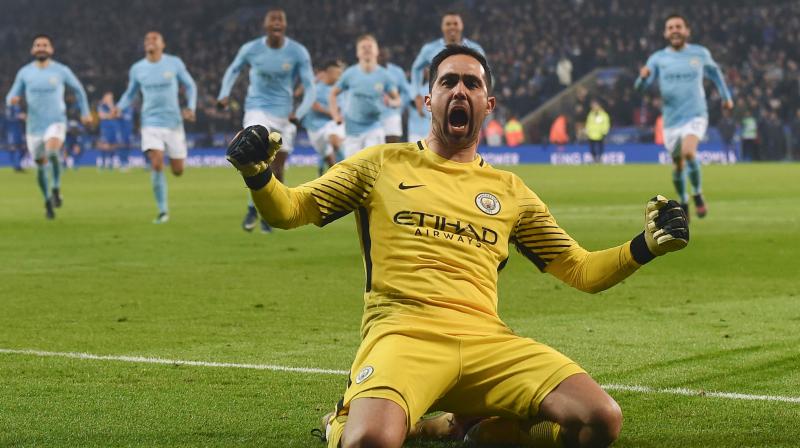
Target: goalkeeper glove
{"type": "Point", "coordinates": [251, 152]}
{"type": "Point", "coordinates": [666, 229]}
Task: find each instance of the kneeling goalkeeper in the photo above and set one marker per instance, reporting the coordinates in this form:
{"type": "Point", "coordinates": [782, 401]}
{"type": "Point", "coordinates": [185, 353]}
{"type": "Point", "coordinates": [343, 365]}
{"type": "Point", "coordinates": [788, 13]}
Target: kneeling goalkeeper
{"type": "Point", "coordinates": [435, 223]}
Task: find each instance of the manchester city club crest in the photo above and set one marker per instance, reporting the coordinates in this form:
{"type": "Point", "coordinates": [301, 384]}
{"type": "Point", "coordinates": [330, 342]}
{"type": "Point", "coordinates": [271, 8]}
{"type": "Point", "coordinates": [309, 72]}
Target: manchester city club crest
{"type": "Point", "coordinates": [365, 373]}
{"type": "Point", "coordinates": [378, 87]}
{"type": "Point", "coordinates": [694, 62]}
{"type": "Point", "coordinates": [286, 66]}
{"type": "Point", "coordinates": [168, 75]}
{"type": "Point", "coordinates": [488, 203]}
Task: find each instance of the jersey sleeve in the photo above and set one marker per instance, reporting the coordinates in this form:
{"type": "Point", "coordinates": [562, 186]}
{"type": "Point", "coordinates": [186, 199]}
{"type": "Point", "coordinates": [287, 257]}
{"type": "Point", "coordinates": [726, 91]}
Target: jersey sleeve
{"type": "Point", "coordinates": [418, 71]}
{"type": "Point", "coordinates": [540, 239]}
{"type": "Point", "coordinates": [344, 81]}
{"type": "Point", "coordinates": [188, 82]}
{"type": "Point", "coordinates": [16, 89]}
{"type": "Point", "coordinates": [133, 87]}
{"type": "Point", "coordinates": [232, 72]}
{"type": "Point", "coordinates": [306, 75]}
{"type": "Point", "coordinates": [713, 72]}
{"type": "Point", "coordinates": [75, 85]}
{"type": "Point", "coordinates": [652, 64]}
{"type": "Point", "coordinates": [343, 189]}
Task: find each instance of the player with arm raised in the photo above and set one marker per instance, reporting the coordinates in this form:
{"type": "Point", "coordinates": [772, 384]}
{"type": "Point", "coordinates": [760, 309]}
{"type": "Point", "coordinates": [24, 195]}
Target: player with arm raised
{"type": "Point", "coordinates": [276, 63]}
{"type": "Point", "coordinates": [42, 84]}
{"type": "Point", "coordinates": [679, 69]}
{"type": "Point", "coordinates": [370, 88]}
{"type": "Point", "coordinates": [393, 115]}
{"type": "Point", "coordinates": [452, 34]}
{"type": "Point", "coordinates": [159, 76]}
{"type": "Point", "coordinates": [435, 223]}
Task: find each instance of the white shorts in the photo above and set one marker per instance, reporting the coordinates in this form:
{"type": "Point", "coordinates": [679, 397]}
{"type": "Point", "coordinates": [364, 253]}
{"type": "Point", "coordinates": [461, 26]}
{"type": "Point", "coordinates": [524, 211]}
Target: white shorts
{"type": "Point", "coordinates": [172, 142]}
{"type": "Point", "coordinates": [36, 142]}
{"type": "Point", "coordinates": [673, 136]}
{"type": "Point", "coordinates": [320, 139]}
{"type": "Point", "coordinates": [281, 125]}
{"type": "Point", "coordinates": [355, 143]}
{"type": "Point", "coordinates": [393, 125]}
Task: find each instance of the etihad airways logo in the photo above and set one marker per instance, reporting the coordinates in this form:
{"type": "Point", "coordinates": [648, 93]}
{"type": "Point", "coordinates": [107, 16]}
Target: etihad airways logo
{"type": "Point", "coordinates": [437, 226]}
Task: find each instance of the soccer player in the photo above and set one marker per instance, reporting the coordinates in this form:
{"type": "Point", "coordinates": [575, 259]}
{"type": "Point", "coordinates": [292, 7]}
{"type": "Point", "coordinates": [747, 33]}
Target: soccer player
{"type": "Point", "coordinates": [325, 134]}
{"type": "Point", "coordinates": [276, 64]}
{"type": "Point", "coordinates": [370, 88]}
{"type": "Point", "coordinates": [42, 83]}
{"type": "Point", "coordinates": [109, 131]}
{"type": "Point", "coordinates": [15, 123]}
{"type": "Point", "coordinates": [452, 34]}
{"type": "Point", "coordinates": [435, 223]}
{"type": "Point", "coordinates": [159, 76]}
{"type": "Point", "coordinates": [679, 69]}
{"type": "Point", "coordinates": [393, 116]}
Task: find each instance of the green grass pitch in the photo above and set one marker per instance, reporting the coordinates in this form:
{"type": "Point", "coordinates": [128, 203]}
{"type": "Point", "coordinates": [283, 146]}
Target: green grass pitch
{"type": "Point", "coordinates": [722, 315]}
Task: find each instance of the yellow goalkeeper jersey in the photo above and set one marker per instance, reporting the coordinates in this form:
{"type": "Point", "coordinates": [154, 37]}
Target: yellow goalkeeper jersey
{"type": "Point", "coordinates": [435, 234]}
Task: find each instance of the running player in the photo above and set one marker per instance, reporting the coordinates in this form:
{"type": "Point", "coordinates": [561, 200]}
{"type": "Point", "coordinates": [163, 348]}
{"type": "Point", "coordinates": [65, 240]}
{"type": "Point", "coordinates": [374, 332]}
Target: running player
{"type": "Point", "coordinates": [418, 125]}
{"type": "Point", "coordinates": [370, 88]}
{"type": "Point", "coordinates": [679, 69]}
{"type": "Point", "coordinates": [159, 76]}
{"type": "Point", "coordinates": [435, 222]}
{"type": "Point", "coordinates": [42, 84]}
{"type": "Point", "coordinates": [276, 64]}
{"type": "Point", "coordinates": [452, 34]}
{"type": "Point", "coordinates": [325, 134]}
{"type": "Point", "coordinates": [109, 131]}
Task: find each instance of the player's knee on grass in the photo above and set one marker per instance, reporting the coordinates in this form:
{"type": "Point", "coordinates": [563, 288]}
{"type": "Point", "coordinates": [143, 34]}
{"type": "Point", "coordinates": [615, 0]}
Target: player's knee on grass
{"type": "Point", "coordinates": [605, 423]}
{"type": "Point", "coordinates": [374, 422]}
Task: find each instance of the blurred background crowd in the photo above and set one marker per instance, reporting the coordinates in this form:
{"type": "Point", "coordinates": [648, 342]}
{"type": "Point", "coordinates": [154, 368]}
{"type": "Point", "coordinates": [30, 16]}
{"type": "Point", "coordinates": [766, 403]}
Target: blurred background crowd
{"type": "Point", "coordinates": [538, 49]}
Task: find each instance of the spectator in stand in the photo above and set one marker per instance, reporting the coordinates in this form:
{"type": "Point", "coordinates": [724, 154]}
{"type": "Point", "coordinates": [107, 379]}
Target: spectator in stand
{"type": "Point", "coordinates": [727, 131]}
{"type": "Point", "coordinates": [514, 133]}
{"type": "Point", "coordinates": [494, 133]}
{"type": "Point", "coordinates": [794, 131]}
{"type": "Point", "coordinates": [597, 126]}
{"type": "Point", "coordinates": [750, 150]}
{"type": "Point", "coordinates": [773, 137]}
{"type": "Point", "coordinates": [558, 131]}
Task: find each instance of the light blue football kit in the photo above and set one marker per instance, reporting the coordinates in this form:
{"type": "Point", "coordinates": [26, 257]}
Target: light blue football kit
{"type": "Point", "coordinates": [680, 80]}
{"type": "Point", "coordinates": [273, 76]}
{"type": "Point", "coordinates": [43, 89]}
{"type": "Point", "coordinates": [425, 57]}
{"type": "Point", "coordinates": [365, 106]}
{"type": "Point", "coordinates": [161, 119]}
{"type": "Point", "coordinates": [393, 116]}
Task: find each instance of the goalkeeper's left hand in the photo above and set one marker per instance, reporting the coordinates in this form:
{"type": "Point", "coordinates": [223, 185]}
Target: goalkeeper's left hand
{"type": "Point", "coordinates": [666, 229]}
{"type": "Point", "coordinates": [252, 150]}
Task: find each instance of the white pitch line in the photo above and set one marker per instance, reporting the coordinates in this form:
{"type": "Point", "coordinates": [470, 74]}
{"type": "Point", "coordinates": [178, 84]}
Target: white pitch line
{"type": "Point", "coordinates": [172, 362]}
{"type": "Point", "coordinates": [277, 368]}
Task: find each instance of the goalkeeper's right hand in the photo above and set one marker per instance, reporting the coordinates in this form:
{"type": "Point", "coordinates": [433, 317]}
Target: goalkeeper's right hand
{"type": "Point", "coordinates": [666, 229]}
{"type": "Point", "coordinates": [252, 150]}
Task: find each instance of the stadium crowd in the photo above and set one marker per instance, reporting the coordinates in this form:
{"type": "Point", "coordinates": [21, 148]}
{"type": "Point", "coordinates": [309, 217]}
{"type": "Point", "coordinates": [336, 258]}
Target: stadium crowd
{"type": "Point", "coordinates": [537, 48]}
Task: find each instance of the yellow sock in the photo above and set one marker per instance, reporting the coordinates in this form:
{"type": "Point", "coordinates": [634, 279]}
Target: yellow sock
{"type": "Point", "coordinates": [502, 432]}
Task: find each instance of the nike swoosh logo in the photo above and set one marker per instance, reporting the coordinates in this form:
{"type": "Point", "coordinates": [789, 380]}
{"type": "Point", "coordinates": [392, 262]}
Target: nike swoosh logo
{"type": "Point", "coordinates": [402, 186]}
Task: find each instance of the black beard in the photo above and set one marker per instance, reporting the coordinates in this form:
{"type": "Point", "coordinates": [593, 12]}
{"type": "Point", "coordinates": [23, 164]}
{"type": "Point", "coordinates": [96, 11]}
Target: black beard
{"type": "Point", "coordinates": [41, 57]}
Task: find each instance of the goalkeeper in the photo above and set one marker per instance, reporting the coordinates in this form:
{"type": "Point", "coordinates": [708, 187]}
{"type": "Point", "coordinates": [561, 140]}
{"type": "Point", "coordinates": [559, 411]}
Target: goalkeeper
{"type": "Point", "coordinates": [435, 223]}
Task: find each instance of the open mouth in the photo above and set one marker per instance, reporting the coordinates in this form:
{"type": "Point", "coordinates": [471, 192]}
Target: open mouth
{"type": "Point", "coordinates": [458, 118]}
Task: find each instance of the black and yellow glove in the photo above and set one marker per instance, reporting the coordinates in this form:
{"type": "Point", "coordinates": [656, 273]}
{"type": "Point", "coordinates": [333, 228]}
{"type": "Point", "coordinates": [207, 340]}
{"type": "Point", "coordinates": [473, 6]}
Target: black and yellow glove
{"type": "Point", "coordinates": [251, 152]}
{"type": "Point", "coordinates": [666, 229]}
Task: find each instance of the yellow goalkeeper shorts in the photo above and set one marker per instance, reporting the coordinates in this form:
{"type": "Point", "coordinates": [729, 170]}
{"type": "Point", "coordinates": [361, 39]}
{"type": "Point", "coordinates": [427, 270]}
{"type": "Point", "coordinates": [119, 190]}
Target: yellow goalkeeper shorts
{"type": "Point", "coordinates": [489, 375]}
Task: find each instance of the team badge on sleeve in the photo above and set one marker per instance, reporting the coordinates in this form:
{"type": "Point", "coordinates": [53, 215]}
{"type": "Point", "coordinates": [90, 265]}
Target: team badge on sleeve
{"type": "Point", "coordinates": [364, 374]}
{"type": "Point", "coordinates": [488, 203]}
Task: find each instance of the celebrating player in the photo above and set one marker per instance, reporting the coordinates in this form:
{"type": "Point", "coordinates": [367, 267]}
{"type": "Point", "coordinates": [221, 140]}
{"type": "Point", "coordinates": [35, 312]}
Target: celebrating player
{"type": "Point", "coordinates": [42, 83]}
{"type": "Point", "coordinates": [159, 76]}
{"type": "Point", "coordinates": [452, 34]}
{"type": "Point", "coordinates": [325, 134]}
{"type": "Point", "coordinates": [371, 88]}
{"type": "Point", "coordinates": [276, 63]}
{"type": "Point", "coordinates": [435, 222]}
{"type": "Point", "coordinates": [679, 69]}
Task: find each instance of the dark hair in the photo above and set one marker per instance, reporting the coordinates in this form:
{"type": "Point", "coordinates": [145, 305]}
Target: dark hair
{"type": "Point", "coordinates": [676, 15]}
{"type": "Point", "coordinates": [452, 50]}
{"type": "Point", "coordinates": [42, 36]}
{"type": "Point", "coordinates": [451, 13]}
{"type": "Point", "coordinates": [331, 63]}
{"type": "Point", "coordinates": [366, 36]}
